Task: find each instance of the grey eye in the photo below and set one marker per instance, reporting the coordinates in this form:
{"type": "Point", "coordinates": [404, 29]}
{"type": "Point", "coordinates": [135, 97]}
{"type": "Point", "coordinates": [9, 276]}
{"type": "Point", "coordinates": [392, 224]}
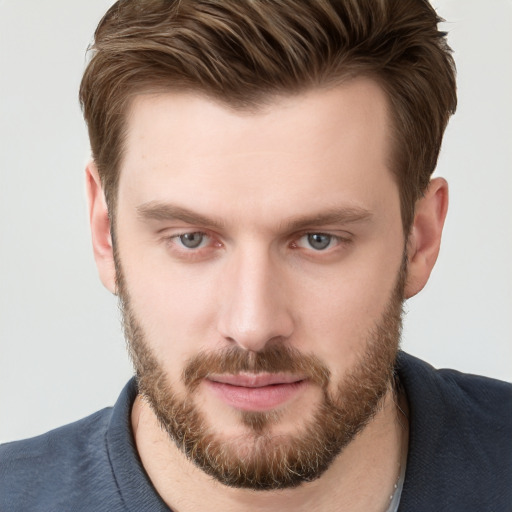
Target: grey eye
{"type": "Point", "coordinates": [192, 240]}
{"type": "Point", "coordinates": [319, 241]}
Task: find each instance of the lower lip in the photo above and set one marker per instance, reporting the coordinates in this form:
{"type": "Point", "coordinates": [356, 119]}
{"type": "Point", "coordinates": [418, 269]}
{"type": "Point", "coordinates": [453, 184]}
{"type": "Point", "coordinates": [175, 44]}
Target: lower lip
{"type": "Point", "coordinates": [262, 398]}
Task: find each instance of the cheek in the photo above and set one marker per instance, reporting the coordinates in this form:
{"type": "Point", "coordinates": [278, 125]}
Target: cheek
{"type": "Point", "coordinates": [336, 323]}
{"type": "Point", "coordinates": [174, 310]}
{"type": "Point", "coordinates": [338, 315]}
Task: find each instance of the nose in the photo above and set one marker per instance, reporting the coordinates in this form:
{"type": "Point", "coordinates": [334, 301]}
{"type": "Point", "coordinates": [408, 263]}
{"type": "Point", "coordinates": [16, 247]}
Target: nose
{"type": "Point", "coordinates": [254, 311]}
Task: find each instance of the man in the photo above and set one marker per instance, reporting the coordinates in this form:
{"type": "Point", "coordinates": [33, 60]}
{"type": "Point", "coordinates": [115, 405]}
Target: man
{"type": "Point", "coordinates": [261, 202]}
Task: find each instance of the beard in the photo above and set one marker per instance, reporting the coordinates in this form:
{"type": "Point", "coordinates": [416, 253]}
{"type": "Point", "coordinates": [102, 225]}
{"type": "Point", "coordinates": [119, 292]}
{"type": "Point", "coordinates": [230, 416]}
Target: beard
{"type": "Point", "coordinates": [259, 459]}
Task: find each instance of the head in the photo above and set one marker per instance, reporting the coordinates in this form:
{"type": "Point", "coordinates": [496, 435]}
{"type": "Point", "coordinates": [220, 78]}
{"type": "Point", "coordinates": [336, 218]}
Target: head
{"type": "Point", "coordinates": [265, 167]}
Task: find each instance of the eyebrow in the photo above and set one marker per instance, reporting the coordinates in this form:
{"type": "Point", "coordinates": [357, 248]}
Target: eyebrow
{"type": "Point", "coordinates": [342, 215]}
{"type": "Point", "coordinates": [155, 210]}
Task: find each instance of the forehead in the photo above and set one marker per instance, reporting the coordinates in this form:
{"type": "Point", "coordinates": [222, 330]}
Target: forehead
{"type": "Point", "coordinates": [361, 102]}
{"type": "Point", "coordinates": [331, 144]}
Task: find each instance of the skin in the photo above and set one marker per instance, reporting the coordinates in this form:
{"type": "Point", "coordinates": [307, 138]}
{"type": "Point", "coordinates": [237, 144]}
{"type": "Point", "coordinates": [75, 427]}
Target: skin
{"type": "Point", "coordinates": [256, 183]}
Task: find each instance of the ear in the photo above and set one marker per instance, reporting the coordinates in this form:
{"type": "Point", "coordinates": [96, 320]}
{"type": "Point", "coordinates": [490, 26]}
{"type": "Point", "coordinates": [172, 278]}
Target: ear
{"type": "Point", "coordinates": [425, 236]}
{"type": "Point", "coordinates": [100, 228]}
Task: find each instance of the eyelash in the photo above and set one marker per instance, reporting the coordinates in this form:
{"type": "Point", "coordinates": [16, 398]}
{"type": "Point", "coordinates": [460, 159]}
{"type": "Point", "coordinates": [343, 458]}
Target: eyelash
{"type": "Point", "coordinates": [197, 252]}
{"type": "Point", "coordinates": [174, 244]}
{"type": "Point", "coordinates": [338, 240]}
{"type": "Point", "coordinates": [189, 233]}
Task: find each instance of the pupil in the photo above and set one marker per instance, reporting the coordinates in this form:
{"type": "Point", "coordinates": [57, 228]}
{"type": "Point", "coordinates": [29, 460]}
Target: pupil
{"type": "Point", "coordinates": [191, 240]}
{"type": "Point", "coordinates": [319, 241]}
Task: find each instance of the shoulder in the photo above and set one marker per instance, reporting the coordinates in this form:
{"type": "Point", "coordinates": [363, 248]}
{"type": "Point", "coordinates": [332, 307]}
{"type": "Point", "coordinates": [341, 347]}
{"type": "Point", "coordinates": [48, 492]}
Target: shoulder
{"type": "Point", "coordinates": [55, 468]}
{"type": "Point", "coordinates": [486, 401]}
{"type": "Point", "coordinates": [460, 449]}
{"type": "Point", "coordinates": [57, 441]}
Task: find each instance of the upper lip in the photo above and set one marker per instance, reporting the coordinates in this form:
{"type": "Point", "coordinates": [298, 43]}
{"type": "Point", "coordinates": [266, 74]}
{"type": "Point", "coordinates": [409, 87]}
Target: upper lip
{"type": "Point", "coordinates": [255, 380]}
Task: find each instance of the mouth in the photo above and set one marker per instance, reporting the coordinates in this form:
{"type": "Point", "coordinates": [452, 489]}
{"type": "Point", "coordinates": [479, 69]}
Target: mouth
{"type": "Point", "coordinates": [256, 392]}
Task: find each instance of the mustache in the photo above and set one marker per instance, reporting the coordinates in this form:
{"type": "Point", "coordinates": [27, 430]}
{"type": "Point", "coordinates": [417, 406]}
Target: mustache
{"type": "Point", "coordinates": [275, 359]}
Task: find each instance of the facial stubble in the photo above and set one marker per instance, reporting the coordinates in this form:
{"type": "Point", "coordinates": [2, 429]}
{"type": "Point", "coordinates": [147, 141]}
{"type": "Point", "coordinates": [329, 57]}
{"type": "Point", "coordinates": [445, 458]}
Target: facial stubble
{"type": "Point", "coordinates": [259, 459]}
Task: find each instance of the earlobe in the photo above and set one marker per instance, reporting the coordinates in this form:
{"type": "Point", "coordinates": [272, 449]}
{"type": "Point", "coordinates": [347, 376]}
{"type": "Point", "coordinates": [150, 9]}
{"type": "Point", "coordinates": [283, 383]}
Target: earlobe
{"type": "Point", "coordinates": [425, 236]}
{"type": "Point", "coordinates": [100, 228]}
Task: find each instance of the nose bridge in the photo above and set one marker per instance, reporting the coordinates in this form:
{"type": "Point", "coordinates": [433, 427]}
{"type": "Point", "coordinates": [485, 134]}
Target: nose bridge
{"type": "Point", "coordinates": [255, 310]}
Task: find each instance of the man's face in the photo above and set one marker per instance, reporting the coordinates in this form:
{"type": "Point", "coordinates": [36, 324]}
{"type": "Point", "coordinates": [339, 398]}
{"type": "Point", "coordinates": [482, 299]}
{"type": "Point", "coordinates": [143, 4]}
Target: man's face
{"type": "Point", "coordinates": [259, 262]}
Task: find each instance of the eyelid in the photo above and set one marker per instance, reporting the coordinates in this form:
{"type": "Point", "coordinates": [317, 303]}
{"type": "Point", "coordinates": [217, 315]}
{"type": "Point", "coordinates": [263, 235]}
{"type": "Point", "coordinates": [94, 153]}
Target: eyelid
{"type": "Point", "coordinates": [341, 239]}
{"type": "Point", "coordinates": [179, 251]}
{"type": "Point", "coordinates": [179, 234]}
{"type": "Point", "coordinates": [335, 233]}
{"type": "Point", "coordinates": [205, 240]}
{"type": "Point", "coordinates": [168, 232]}
{"type": "Point", "coordinates": [170, 235]}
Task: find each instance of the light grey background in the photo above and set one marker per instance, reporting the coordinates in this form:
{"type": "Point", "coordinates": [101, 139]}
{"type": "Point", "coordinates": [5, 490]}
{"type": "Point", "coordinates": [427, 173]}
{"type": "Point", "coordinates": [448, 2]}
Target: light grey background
{"type": "Point", "coordinates": [61, 349]}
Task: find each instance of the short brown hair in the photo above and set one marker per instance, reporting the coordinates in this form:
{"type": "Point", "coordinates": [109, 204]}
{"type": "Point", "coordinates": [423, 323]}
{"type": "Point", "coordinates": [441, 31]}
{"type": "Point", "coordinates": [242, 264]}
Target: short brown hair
{"type": "Point", "coordinates": [242, 51]}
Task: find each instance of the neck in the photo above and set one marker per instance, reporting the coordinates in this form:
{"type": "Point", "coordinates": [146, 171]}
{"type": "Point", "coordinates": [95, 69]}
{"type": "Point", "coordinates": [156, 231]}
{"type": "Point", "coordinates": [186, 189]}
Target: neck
{"type": "Point", "coordinates": [361, 478]}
